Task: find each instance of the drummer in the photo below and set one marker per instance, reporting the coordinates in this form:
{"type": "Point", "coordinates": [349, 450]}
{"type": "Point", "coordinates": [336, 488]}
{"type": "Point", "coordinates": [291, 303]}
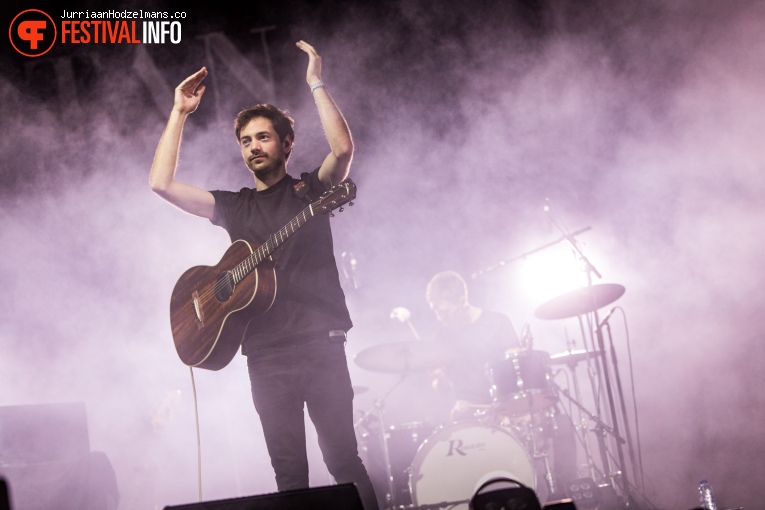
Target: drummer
{"type": "Point", "coordinates": [474, 336]}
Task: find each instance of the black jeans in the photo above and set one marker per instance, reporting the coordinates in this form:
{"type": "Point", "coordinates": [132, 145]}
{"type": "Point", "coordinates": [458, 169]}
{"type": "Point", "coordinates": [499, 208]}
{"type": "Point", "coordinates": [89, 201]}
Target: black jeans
{"type": "Point", "coordinates": [314, 373]}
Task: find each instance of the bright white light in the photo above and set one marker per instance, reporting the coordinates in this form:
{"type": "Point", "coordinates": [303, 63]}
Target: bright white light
{"type": "Point", "coordinates": [550, 273]}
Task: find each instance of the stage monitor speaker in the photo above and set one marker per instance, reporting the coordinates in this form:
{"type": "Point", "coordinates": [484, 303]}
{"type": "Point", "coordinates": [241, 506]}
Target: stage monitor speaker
{"type": "Point", "coordinates": [337, 497]}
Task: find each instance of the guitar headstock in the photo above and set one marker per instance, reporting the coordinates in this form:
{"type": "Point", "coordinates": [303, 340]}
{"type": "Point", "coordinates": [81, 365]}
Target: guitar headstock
{"type": "Point", "coordinates": [339, 195]}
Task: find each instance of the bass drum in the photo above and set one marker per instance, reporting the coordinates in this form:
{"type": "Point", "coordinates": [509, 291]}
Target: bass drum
{"type": "Point", "coordinates": [457, 459]}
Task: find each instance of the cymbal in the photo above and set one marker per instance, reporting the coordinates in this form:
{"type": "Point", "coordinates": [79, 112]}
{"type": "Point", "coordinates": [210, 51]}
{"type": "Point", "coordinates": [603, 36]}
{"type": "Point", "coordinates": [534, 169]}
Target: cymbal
{"type": "Point", "coordinates": [580, 301]}
{"type": "Point", "coordinates": [402, 356]}
{"type": "Point", "coordinates": [572, 357]}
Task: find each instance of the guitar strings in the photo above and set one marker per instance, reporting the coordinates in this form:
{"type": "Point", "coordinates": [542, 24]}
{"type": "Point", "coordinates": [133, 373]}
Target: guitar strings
{"type": "Point", "coordinates": [273, 242]}
{"type": "Point", "coordinates": [260, 254]}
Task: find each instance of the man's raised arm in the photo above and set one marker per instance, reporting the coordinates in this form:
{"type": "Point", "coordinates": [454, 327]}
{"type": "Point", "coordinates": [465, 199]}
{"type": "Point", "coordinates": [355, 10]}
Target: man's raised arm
{"type": "Point", "coordinates": [162, 180]}
{"type": "Point", "coordinates": [336, 165]}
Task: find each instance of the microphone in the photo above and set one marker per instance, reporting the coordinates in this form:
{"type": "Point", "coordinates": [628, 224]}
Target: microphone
{"type": "Point", "coordinates": [607, 317]}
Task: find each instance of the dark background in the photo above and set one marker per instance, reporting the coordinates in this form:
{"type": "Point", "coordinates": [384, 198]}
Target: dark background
{"type": "Point", "coordinates": [642, 121]}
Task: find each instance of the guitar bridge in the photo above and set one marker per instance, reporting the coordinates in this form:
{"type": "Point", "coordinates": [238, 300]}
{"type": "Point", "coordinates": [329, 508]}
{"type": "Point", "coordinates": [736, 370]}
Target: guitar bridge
{"type": "Point", "coordinates": [197, 310]}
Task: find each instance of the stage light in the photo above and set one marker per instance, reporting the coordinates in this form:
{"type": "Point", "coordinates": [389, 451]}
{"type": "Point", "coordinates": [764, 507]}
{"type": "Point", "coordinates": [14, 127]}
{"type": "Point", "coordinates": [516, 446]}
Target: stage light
{"type": "Point", "coordinates": [550, 273]}
{"type": "Point", "coordinates": [507, 494]}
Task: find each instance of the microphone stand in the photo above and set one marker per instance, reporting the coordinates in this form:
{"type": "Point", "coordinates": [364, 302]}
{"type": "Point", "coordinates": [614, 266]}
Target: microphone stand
{"type": "Point", "coordinates": [524, 255]}
{"type": "Point", "coordinates": [590, 269]}
{"type": "Point", "coordinates": [621, 397]}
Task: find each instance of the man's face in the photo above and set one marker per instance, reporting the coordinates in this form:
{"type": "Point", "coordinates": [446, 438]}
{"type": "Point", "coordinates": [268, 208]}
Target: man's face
{"type": "Point", "coordinates": [448, 311]}
{"type": "Point", "coordinates": [263, 152]}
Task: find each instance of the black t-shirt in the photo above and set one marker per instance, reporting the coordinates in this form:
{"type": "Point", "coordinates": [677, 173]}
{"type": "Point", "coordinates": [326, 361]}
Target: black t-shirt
{"type": "Point", "coordinates": [471, 347]}
{"type": "Point", "coordinates": [309, 298]}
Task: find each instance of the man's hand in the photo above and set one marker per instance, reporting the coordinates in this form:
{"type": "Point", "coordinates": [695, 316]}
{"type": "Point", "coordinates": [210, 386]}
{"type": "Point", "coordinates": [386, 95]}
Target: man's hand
{"type": "Point", "coordinates": [313, 73]}
{"type": "Point", "coordinates": [189, 92]}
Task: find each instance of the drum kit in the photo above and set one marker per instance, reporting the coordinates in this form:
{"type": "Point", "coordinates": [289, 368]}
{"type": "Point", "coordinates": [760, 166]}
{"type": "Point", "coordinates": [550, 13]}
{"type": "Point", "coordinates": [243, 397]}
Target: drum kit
{"type": "Point", "coordinates": [421, 466]}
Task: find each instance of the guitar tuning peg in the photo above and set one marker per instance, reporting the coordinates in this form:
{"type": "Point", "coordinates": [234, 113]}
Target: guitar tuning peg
{"type": "Point", "coordinates": [342, 209]}
{"type": "Point", "coordinates": [350, 203]}
{"type": "Point", "coordinates": [331, 214]}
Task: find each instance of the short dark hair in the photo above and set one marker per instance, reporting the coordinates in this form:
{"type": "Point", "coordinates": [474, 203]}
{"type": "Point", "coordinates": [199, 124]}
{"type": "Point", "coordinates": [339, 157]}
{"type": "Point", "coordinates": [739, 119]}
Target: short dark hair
{"type": "Point", "coordinates": [284, 125]}
{"type": "Point", "coordinates": [448, 285]}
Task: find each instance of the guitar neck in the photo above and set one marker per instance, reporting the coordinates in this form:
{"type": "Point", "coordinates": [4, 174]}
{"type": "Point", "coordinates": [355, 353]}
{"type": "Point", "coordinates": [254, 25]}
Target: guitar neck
{"type": "Point", "coordinates": [272, 243]}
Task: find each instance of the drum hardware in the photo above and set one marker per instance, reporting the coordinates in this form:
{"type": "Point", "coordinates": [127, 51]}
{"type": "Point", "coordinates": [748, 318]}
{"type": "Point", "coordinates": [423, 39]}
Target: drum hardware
{"type": "Point", "coordinates": [406, 440]}
{"type": "Point", "coordinates": [572, 357]}
{"type": "Point", "coordinates": [522, 392]}
{"type": "Point", "coordinates": [615, 431]}
{"type": "Point", "coordinates": [601, 430]}
{"type": "Point", "coordinates": [384, 358]}
{"type": "Point", "coordinates": [384, 436]}
{"type": "Point", "coordinates": [549, 478]}
{"type": "Point", "coordinates": [402, 357]}
{"type": "Point", "coordinates": [584, 304]}
{"type": "Point", "coordinates": [521, 382]}
{"type": "Point", "coordinates": [380, 406]}
{"type": "Point", "coordinates": [627, 440]}
{"type": "Point", "coordinates": [580, 303]}
{"type": "Point", "coordinates": [537, 453]}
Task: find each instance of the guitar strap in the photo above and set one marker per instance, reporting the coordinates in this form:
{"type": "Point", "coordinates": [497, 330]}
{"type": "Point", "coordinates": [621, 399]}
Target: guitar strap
{"type": "Point", "coordinates": [302, 188]}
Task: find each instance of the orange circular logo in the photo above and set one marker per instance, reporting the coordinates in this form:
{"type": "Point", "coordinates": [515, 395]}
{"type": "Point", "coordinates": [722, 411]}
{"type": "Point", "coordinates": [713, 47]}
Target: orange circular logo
{"type": "Point", "coordinates": [32, 33]}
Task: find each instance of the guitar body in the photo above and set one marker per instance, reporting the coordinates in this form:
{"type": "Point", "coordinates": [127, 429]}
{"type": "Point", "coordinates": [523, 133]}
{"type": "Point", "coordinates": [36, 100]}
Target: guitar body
{"type": "Point", "coordinates": [212, 306]}
{"type": "Point", "coordinates": [209, 314]}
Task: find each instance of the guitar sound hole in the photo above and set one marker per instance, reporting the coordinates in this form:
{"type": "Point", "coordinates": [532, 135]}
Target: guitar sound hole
{"type": "Point", "coordinates": [224, 287]}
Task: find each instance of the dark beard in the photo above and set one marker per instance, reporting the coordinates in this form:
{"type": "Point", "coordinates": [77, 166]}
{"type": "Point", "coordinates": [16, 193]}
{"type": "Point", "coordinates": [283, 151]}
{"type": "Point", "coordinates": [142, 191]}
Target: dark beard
{"type": "Point", "coordinates": [263, 172]}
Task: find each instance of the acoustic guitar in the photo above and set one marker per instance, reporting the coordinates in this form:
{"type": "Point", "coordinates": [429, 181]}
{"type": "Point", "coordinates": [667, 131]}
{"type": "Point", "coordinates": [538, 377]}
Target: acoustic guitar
{"type": "Point", "coordinates": [211, 306]}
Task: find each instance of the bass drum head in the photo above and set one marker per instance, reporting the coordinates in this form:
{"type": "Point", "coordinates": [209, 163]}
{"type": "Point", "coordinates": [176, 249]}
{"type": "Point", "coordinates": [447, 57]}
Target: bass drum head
{"type": "Point", "coordinates": [457, 459]}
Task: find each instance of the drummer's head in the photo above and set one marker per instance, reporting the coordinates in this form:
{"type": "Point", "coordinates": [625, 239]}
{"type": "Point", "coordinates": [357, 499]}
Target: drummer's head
{"type": "Point", "coordinates": [447, 295]}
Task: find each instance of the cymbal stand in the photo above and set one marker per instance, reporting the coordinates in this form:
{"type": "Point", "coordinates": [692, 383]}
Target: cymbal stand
{"type": "Point", "coordinates": [600, 429]}
{"type": "Point", "coordinates": [577, 398]}
{"type": "Point", "coordinates": [379, 405]}
{"type": "Point", "coordinates": [548, 471]}
{"type": "Point", "coordinates": [532, 440]}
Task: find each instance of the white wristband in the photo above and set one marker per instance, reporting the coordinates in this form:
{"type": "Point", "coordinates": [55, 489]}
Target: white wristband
{"type": "Point", "coordinates": [317, 85]}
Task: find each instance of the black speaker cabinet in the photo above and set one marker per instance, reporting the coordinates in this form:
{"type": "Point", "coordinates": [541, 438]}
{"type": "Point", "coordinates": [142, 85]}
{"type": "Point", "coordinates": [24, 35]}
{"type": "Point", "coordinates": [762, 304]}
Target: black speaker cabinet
{"type": "Point", "coordinates": [336, 497]}
{"type": "Point", "coordinates": [5, 500]}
